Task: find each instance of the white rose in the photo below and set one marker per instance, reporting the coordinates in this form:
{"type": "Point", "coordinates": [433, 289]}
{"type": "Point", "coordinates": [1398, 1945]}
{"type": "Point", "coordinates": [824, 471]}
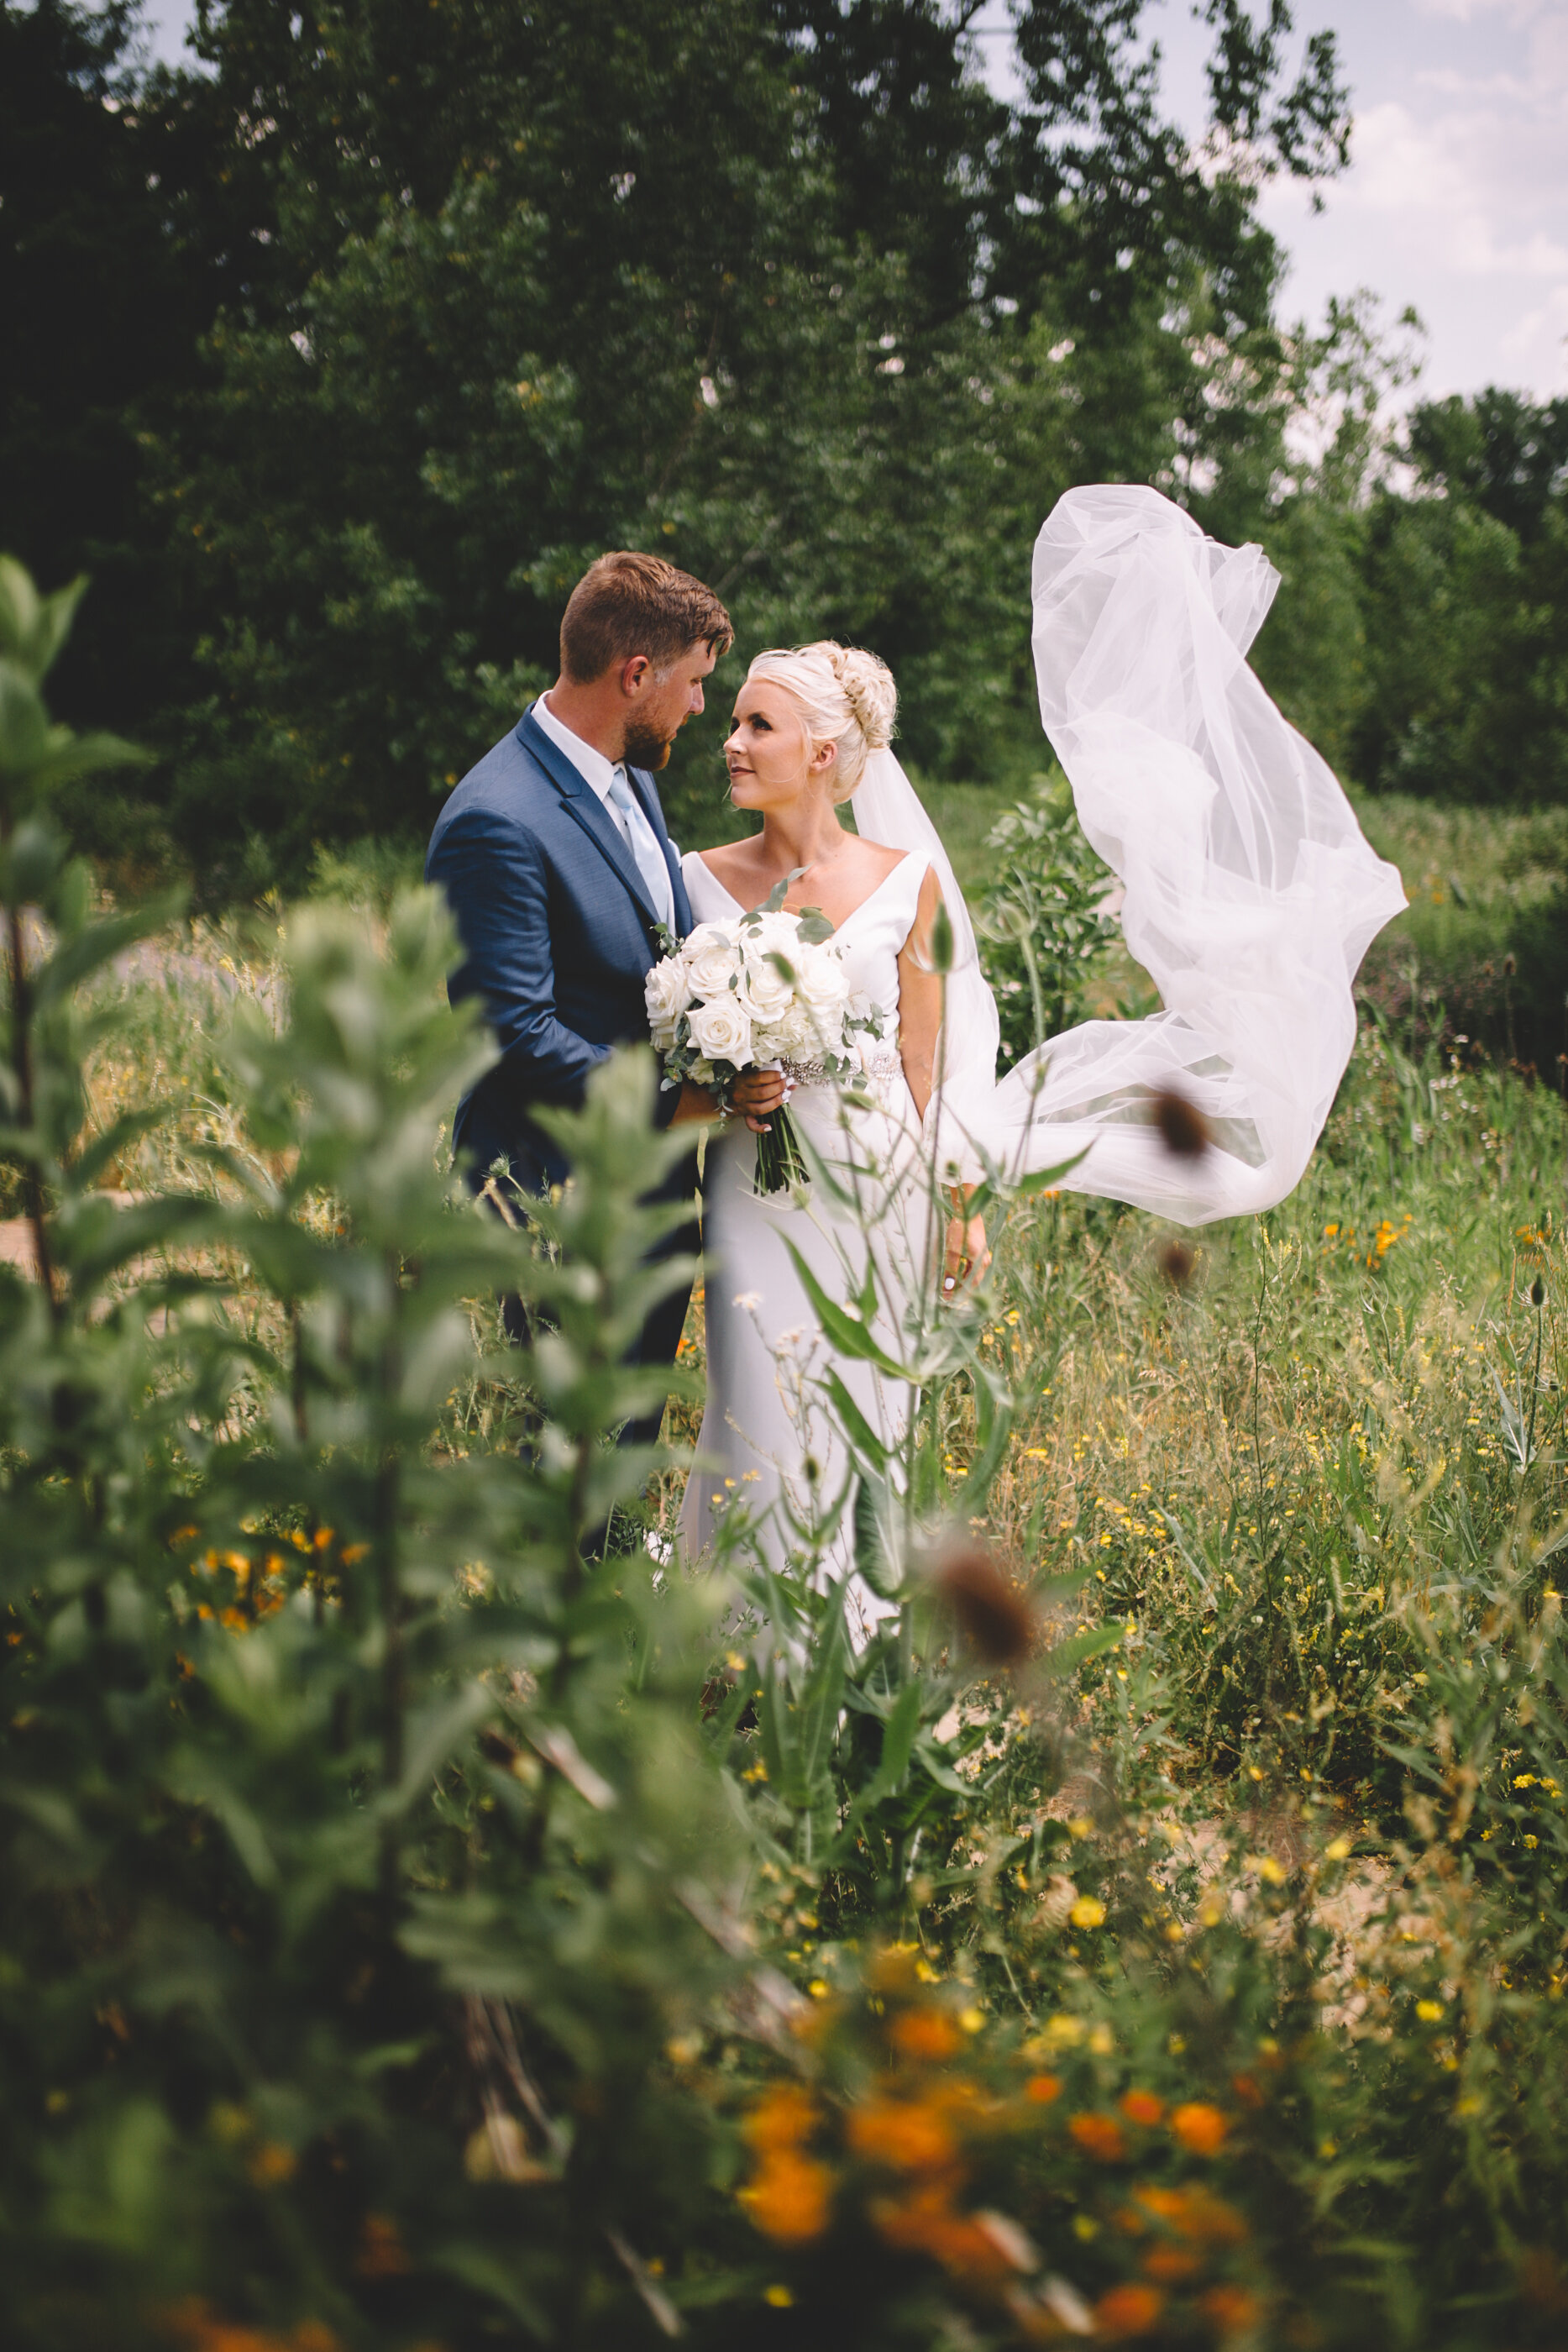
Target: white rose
{"type": "Point", "coordinates": [667, 993]}
{"type": "Point", "coordinates": [763, 986]}
{"type": "Point", "coordinates": [712, 959]}
{"type": "Point", "coordinates": [823, 983]}
{"type": "Point", "coordinates": [721, 1031]}
{"type": "Point", "coordinates": [790, 1038]}
{"type": "Point", "coordinates": [776, 930]}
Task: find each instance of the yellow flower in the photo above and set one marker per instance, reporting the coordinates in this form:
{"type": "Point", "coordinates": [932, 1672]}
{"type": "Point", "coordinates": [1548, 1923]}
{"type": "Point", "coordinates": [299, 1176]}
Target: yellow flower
{"type": "Point", "coordinates": [1429, 2011]}
{"type": "Point", "coordinates": [1060, 2033]}
{"type": "Point", "coordinates": [778, 2296]}
{"type": "Point", "coordinates": [1088, 1912]}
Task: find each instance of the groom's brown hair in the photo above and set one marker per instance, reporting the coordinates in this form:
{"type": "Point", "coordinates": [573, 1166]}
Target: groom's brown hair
{"type": "Point", "coordinates": [628, 604]}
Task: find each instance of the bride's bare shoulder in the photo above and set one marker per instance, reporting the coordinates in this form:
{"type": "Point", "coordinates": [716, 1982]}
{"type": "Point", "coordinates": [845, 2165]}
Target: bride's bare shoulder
{"type": "Point", "coordinates": [726, 862]}
{"type": "Point", "coordinates": [877, 860]}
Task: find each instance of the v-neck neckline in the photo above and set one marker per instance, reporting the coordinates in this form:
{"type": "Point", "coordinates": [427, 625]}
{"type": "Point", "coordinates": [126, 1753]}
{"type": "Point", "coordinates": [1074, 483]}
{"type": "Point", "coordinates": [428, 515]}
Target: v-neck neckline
{"type": "Point", "coordinates": [838, 928]}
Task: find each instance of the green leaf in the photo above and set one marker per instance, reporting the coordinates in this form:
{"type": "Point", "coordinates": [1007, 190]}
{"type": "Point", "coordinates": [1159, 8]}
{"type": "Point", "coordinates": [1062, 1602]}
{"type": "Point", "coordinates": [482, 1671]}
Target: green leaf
{"type": "Point", "coordinates": [845, 1330]}
{"type": "Point", "coordinates": [1021, 1188]}
{"type": "Point", "coordinates": [1080, 1648]}
{"type": "Point", "coordinates": [897, 1745]}
{"type": "Point", "coordinates": [862, 1437]}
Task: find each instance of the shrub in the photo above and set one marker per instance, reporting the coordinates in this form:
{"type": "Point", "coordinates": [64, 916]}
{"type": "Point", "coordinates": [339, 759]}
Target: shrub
{"type": "Point", "coordinates": [356, 1835]}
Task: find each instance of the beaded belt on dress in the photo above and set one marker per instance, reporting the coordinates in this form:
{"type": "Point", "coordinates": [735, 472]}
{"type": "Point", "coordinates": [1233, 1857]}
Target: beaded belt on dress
{"type": "Point", "coordinates": [878, 1061]}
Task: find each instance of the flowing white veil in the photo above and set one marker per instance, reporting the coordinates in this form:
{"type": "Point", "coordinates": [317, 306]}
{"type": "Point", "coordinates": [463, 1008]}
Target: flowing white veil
{"type": "Point", "coordinates": [1251, 893]}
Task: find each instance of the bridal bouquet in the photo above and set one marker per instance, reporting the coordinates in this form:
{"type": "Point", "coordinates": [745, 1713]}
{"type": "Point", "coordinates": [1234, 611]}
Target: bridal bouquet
{"type": "Point", "coordinates": [768, 990]}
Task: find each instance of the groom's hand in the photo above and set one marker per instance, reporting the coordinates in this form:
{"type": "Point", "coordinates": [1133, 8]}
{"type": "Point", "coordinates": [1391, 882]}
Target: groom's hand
{"type": "Point", "coordinates": [758, 1092]}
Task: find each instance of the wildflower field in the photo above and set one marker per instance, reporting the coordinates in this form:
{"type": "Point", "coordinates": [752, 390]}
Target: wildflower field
{"type": "Point", "coordinates": [424, 1924]}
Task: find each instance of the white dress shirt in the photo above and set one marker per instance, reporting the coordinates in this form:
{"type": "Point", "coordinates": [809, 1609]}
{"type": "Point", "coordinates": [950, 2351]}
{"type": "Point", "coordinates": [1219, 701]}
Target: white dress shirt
{"type": "Point", "coordinates": [600, 775]}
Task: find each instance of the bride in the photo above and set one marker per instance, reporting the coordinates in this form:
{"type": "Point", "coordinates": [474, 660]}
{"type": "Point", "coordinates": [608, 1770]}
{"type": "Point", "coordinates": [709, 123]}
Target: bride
{"type": "Point", "coordinates": [806, 724]}
{"type": "Point", "coordinates": [1250, 896]}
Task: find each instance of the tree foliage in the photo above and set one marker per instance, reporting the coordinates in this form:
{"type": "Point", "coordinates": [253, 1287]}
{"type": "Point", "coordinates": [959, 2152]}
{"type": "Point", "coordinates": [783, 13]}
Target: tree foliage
{"type": "Point", "coordinates": [408, 310]}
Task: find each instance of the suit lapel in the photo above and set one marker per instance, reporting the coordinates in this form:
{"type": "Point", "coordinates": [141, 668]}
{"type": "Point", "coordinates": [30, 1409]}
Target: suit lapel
{"type": "Point", "coordinates": [586, 806]}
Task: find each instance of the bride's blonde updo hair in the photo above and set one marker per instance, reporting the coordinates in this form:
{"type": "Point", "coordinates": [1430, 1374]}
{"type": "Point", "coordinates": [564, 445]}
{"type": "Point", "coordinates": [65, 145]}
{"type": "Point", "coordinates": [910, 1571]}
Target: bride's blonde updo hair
{"type": "Point", "coordinates": [845, 697]}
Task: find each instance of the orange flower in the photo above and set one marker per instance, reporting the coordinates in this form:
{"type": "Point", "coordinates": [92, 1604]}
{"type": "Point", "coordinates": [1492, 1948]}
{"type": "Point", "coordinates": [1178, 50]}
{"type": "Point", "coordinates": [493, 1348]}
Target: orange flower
{"type": "Point", "coordinates": [1043, 2089]}
{"type": "Point", "coordinates": [383, 2254]}
{"type": "Point", "coordinates": [195, 2323]}
{"type": "Point", "coordinates": [923, 2033]}
{"type": "Point", "coordinates": [1230, 2308]}
{"type": "Point", "coordinates": [791, 2199]}
{"type": "Point", "coordinates": [1142, 2106]}
{"type": "Point", "coordinates": [1199, 2127]}
{"type": "Point", "coordinates": [782, 2118]}
{"type": "Point", "coordinates": [910, 2135]}
{"type": "Point", "coordinates": [1170, 2264]}
{"type": "Point", "coordinates": [1099, 2135]}
{"type": "Point", "coordinates": [924, 2222]}
{"type": "Point", "coordinates": [271, 2164]}
{"type": "Point", "coordinates": [1170, 2204]}
{"type": "Point", "coordinates": [910, 2222]}
{"type": "Point", "coordinates": [1128, 2310]}
{"type": "Point", "coordinates": [1194, 2213]}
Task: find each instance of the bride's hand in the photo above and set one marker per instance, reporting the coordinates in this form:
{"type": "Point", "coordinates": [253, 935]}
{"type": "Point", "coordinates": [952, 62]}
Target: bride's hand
{"type": "Point", "coordinates": [758, 1092]}
{"type": "Point", "coordinates": [965, 1257]}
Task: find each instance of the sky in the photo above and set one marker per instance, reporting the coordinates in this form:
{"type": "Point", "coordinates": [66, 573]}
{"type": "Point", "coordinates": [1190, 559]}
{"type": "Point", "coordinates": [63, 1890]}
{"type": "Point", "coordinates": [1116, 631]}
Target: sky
{"type": "Point", "coordinates": [1456, 200]}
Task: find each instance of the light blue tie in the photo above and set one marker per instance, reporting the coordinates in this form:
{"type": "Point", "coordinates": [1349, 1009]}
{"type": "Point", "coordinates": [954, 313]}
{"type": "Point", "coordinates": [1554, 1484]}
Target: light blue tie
{"type": "Point", "coordinates": [644, 849]}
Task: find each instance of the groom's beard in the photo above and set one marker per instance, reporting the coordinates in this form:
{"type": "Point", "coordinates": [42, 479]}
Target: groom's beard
{"type": "Point", "coordinates": [645, 749]}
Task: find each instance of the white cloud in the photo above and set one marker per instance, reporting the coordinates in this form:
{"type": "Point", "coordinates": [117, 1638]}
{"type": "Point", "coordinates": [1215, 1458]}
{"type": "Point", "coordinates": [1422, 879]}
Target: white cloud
{"type": "Point", "coordinates": [1466, 12]}
{"type": "Point", "coordinates": [1459, 187]}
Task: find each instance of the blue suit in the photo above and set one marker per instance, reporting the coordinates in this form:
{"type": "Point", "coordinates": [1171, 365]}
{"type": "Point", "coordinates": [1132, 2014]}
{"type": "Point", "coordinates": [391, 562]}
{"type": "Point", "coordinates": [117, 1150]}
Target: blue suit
{"type": "Point", "coordinates": [560, 934]}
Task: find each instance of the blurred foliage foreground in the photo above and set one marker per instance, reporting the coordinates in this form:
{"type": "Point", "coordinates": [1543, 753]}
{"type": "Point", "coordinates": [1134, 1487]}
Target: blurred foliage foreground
{"type": "Point", "coordinates": [417, 1930]}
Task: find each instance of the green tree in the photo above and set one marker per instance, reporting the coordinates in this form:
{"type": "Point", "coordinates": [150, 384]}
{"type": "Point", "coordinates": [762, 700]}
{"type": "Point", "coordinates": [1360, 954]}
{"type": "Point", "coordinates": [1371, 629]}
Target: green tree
{"type": "Point", "coordinates": [727, 282]}
{"type": "Point", "coordinates": [1465, 598]}
{"type": "Point", "coordinates": [109, 274]}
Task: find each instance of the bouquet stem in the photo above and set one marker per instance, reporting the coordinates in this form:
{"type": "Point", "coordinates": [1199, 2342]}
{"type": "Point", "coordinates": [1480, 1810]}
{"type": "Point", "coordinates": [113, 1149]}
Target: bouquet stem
{"type": "Point", "coordinates": [781, 1163]}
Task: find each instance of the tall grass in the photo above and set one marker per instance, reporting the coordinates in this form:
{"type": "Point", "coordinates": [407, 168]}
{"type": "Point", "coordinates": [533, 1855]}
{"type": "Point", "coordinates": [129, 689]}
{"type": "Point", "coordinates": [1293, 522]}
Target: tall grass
{"type": "Point", "coordinates": [1287, 1863]}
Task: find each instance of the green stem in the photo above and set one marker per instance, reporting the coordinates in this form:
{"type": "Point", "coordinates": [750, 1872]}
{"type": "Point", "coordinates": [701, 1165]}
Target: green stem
{"type": "Point", "coordinates": [781, 1163]}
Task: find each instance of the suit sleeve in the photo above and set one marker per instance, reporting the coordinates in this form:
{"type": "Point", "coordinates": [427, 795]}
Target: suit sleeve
{"type": "Point", "coordinates": [494, 877]}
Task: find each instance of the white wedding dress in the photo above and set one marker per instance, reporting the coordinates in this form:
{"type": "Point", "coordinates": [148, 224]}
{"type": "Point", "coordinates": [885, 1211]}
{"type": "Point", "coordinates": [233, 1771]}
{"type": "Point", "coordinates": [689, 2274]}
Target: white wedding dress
{"type": "Point", "coordinates": [1250, 897]}
{"type": "Point", "coordinates": [769, 1444]}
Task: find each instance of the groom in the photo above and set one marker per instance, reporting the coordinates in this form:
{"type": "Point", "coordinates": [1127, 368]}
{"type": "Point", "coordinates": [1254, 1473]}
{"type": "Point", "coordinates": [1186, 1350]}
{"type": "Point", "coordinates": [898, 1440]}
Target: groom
{"type": "Point", "coordinates": [555, 862]}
